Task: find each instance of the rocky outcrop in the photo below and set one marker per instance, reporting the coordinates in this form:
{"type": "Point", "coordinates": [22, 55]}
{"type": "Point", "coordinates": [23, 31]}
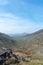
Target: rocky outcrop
{"type": "Point", "coordinates": [10, 57]}
{"type": "Point", "coordinates": [22, 56]}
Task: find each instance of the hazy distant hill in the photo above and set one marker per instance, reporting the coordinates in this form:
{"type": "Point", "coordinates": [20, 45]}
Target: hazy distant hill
{"type": "Point", "coordinates": [17, 35]}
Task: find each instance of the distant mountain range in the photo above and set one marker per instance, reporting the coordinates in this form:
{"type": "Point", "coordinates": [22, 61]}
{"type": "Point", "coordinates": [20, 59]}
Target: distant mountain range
{"type": "Point", "coordinates": [17, 35]}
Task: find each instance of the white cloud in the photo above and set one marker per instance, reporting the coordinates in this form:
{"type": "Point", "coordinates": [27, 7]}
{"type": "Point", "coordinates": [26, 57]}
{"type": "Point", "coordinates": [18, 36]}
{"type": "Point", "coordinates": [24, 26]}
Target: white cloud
{"type": "Point", "coordinates": [10, 18]}
{"type": "Point", "coordinates": [13, 24]}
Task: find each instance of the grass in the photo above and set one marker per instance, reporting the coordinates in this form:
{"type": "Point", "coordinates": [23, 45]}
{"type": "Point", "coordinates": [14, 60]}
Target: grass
{"type": "Point", "coordinates": [31, 63]}
{"type": "Point", "coordinates": [28, 63]}
{"type": "Point", "coordinates": [37, 57]}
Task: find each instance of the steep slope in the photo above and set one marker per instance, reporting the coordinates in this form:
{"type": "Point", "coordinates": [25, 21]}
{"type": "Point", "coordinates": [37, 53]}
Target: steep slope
{"type": "Point", "coordinates": [6, 41]}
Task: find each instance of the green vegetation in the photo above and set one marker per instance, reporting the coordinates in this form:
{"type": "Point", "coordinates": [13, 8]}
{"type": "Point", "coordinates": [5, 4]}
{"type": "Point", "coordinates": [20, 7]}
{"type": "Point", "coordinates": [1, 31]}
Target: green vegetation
{"type": "Point", "coordinates": [31, 63]}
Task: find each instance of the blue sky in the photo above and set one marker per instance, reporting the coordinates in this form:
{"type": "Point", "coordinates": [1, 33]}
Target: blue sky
{"type": "Point", "coordinates": [21, 16]}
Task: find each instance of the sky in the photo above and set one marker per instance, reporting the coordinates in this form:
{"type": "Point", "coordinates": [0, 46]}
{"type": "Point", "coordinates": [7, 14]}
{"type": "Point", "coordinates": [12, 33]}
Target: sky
{"type": "Point", "coordinates": [21, 16]}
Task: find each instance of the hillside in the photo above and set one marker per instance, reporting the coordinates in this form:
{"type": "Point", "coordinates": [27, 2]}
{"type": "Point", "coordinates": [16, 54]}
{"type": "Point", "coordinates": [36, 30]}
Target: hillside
{"type": "Point", "coordinates": [6, 41]}
{"type": "Point", "coordinates": [29, 42]}
{"type": "Point", "coordinates": [36, 37]}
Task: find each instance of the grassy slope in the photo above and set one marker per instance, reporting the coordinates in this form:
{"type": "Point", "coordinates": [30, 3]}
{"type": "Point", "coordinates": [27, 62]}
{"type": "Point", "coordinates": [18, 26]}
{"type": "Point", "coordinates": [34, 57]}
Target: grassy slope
{"type": "Point", "coordinates": [32, 42]}
{"type": "Point", "coordinates": [6, 41]}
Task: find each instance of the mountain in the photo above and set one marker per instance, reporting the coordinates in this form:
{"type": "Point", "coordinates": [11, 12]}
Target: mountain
{"type": "Point", "coordinates": [28, 47]}
{"type": "Point", "coordinates": [29, 42]}
{"type": "Point", "coordinates": [17, 35]}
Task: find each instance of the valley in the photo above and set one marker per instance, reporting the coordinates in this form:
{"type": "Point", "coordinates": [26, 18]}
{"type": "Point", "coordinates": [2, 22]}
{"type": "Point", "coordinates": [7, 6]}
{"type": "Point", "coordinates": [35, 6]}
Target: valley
{"type": "Point", "coordinates": [28, 48]}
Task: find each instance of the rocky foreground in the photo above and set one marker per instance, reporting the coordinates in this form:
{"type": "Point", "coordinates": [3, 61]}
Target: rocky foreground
{"type": "Point", "coordinates": [21, 57]}
{"type": "Point", "coordinates": [8, 57]}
